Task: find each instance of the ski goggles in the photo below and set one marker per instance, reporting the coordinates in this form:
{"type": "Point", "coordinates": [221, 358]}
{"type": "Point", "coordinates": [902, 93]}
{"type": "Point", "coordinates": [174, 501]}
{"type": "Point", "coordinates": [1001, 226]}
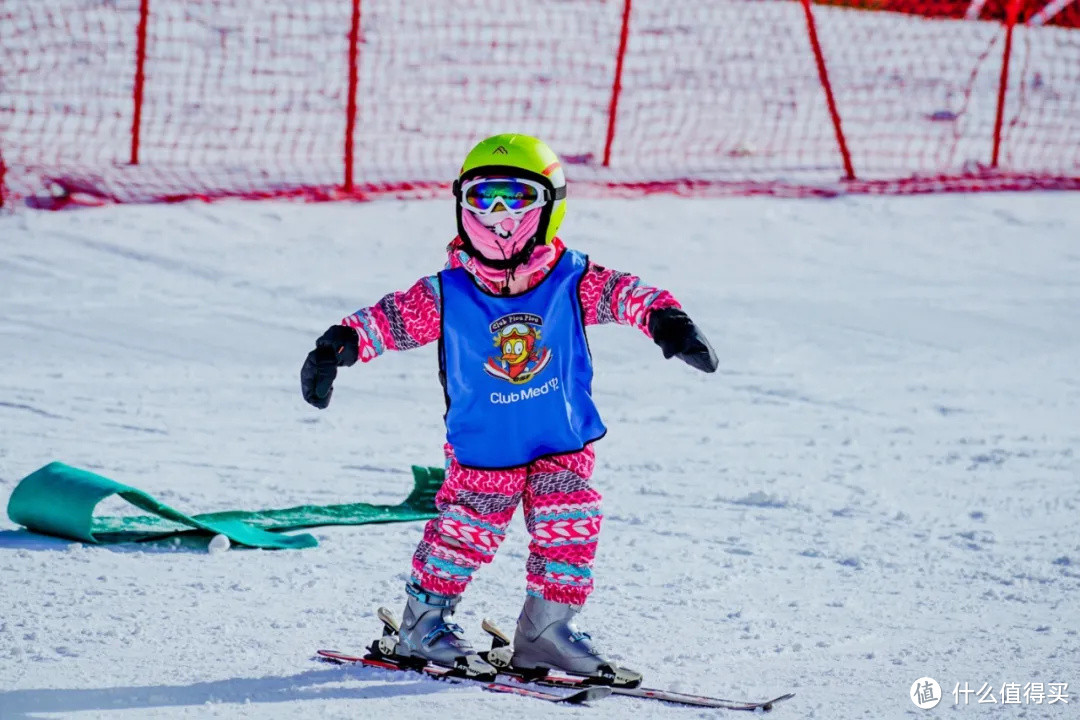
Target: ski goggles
{"type": "Point", "coordinates": [517, 196]}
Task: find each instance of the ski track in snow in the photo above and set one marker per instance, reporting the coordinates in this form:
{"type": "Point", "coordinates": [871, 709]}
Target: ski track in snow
{"type": "Point", "coordinates": [879, 484]}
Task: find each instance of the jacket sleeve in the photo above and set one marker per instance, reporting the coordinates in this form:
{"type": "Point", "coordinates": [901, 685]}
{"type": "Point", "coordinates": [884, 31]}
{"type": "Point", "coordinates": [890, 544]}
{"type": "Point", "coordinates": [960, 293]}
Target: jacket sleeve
{"type": "Point", "coordinates": [610, 296]}
{"type": "Point", "coordinates": [400, 321]}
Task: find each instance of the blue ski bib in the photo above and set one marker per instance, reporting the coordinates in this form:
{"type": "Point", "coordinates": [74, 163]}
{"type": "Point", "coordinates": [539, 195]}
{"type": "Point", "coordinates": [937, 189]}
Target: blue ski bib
{"type": "Point", "coordinates": [517, 369]}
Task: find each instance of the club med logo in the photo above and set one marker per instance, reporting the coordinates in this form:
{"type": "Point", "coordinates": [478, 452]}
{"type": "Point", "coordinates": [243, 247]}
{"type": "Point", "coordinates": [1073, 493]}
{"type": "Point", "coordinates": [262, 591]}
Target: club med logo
{"type": "Point", "coordinates": [519, 355]}
{"type": "Point", "coordinates": [530, 393]}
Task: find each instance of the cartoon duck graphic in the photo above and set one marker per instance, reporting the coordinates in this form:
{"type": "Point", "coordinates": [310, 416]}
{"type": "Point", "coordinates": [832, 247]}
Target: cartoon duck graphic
{"type": "Point", "coordinates": [520, 357]}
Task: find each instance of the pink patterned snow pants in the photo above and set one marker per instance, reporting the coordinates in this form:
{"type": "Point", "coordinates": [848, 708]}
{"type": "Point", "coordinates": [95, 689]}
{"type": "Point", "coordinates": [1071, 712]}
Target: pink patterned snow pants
{"type": "Point", "coordinates": [562, 513]}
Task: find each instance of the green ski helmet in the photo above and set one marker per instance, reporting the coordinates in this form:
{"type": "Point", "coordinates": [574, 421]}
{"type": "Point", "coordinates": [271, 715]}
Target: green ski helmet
{"type": "Point", "coordinates": [516, 156]}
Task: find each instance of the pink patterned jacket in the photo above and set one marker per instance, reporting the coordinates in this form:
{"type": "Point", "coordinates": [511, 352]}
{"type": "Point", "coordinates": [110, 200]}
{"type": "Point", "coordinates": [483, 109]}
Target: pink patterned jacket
{"type": "Point", "coordinates": [409, 319]}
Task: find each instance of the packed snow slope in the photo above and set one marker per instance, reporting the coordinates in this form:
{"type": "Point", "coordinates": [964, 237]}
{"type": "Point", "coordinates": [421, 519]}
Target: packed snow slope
{"type": "Point", "coordinates": [880, 483]}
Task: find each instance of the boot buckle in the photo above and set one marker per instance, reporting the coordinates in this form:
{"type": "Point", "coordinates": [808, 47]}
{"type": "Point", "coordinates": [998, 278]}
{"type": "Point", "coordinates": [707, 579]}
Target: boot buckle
{"type": "Point", "coordinates": [443, 629]}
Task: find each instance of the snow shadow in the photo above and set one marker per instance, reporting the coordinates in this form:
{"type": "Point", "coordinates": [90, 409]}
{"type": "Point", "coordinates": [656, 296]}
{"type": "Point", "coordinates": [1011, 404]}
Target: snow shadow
{"type": "Point", "coordinates": [193, 542]}
{"type": "Point", "coordinates": [25, 704]}
{"type": "Point", "coordinates": [25, 540]}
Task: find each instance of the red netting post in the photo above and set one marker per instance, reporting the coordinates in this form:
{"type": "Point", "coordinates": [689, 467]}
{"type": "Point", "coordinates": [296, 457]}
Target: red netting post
{"type": "Point", "coordinates": [140, 78]}
{"type": "Point", "coordinates": [2, 172]}
{"type": "Point", "coordinates": [350, 108]}
{"type": "Point", "coordinates": [1010, 20]}
{"type": "Point", "coordinates": [616, 87]}
{"type": "Point", "coordinates": [823, 75]}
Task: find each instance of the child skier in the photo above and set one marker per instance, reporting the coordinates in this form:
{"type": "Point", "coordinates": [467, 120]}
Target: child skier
{"type": "Point", "coordinates": [509, 312]}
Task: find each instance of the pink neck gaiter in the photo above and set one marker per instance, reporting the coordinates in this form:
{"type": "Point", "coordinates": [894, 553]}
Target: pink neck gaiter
{"type": "Point", "coordinates": [492, 246]}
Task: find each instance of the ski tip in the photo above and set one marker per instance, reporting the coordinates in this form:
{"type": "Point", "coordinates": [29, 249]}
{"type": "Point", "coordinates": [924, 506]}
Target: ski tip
{"type": "Point", "coordinates": [768, 706]}
{"type": "Point", "coordinates": [589, 694]}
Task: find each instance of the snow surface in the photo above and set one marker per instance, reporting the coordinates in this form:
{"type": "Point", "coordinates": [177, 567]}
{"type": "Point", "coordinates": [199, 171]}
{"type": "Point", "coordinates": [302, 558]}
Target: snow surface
{"type": "Point", "coordinates": [881, 482]}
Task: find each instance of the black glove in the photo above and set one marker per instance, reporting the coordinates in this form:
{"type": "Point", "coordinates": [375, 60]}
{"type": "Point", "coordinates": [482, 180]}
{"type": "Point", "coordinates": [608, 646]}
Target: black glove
{"type": "Point", "coordinates": [340, 345]}
{"type": "Point", "coordinates": [676, 334]}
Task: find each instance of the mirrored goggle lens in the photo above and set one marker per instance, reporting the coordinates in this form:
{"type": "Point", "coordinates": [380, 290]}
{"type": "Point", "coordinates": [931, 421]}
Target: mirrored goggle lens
{"type": "Point", "coordinates": [514, 194]}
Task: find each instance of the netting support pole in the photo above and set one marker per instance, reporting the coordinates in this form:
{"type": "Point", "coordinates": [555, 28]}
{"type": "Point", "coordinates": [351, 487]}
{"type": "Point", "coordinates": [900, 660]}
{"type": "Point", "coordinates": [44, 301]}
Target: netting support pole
{"type": "Point", "coordinates": [616, 87]}
{"type": "Point", "coordinates": [823, 75]}
{"type": "Point", "coordinates": [3, 171]}
{"type": "Point", "coordinates": [1010, 21]}
{"type": "Point", "coordinates": [350, 108]}
{"type": "Point", "coordinates": [140, 79]}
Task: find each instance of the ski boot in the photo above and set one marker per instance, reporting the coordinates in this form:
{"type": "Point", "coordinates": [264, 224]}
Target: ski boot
{"type": "Point", "coordinates": [426, 634]}
{"type": "Point", "coordinates": [547, 639]}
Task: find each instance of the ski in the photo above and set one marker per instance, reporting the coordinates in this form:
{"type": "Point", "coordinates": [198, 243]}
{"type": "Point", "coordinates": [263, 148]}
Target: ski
{"type": "Point", "coordinates": [670, 696]}
{"type": "Point", "coordinates": [527, 683]}
{"type": "Point", "coordinates": [501, 653]}
{"type": "Point", "coordinates": [579, 696]}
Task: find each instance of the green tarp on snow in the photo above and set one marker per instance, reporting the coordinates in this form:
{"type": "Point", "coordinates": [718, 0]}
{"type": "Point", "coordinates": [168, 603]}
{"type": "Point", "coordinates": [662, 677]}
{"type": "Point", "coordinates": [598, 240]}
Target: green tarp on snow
{"type": "Point", "coordinates": [59, 500]}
